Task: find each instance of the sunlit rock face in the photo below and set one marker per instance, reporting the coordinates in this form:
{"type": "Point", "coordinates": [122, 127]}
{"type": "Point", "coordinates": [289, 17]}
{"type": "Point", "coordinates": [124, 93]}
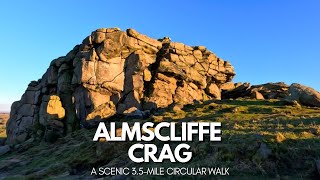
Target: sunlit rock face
{"type": "Point", "coordinates": [112, 72]}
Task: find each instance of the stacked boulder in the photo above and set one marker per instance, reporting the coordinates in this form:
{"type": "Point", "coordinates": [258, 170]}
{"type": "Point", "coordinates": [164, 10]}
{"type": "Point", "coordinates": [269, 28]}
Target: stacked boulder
{"type": "Point", "coordinates": [115, 72]}
{"type": "Point", "coordinates": [277, 90]}
{"type": "Point", "coordinates": [304, 95]}
{"type": "Point", "coordinates": [291, 95]}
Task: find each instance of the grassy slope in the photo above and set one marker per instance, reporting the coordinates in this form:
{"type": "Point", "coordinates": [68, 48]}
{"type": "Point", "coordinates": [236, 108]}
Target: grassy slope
{"type": "Point", "coordinates": [3, 120]}
{"type": "Point", "coordinates": [291, 133]}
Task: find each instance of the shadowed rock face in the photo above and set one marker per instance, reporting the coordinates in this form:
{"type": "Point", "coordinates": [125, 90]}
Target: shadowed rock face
{"type": "Point", "coordinates": [277, 90]}
{"type": "Point", "coordinates": [111, 72]}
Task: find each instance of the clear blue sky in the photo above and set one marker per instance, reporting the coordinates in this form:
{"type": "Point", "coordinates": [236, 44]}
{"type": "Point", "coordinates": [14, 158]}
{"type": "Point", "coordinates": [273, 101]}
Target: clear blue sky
{"type": "Point", "coordinates": [266, 41]}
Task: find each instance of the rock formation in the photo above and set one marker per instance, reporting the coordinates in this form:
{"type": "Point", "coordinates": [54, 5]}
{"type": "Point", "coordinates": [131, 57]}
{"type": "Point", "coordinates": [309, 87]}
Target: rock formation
{"type": "Point", "coordinates": [264, 91]}
{"type": "Point", "coordinates": [304, 95]}
{"type": "Point", "coordinates": [115, 72]}
{"type": "Point", "coordinates": [295, 94]}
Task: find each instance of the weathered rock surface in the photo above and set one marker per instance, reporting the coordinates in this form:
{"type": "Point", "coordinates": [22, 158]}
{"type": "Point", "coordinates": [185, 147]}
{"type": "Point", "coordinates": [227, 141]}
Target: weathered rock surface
{"type": "Point", "coordinates": [114, 71]}
{"type": "Point", "coordinates": [304, 95]}
{"type": "Point", "coordinates": [227, 86]}
{"type": "Point", "coordinates": [264, 91]}
{"type": "Point", "coordinates": [272, 90]}
{"type": "Point", "coordinates": [295, 94]}
{"type": "Point", "coordinates": [257, 95]}
{"type": "Point", "coordinates": [214, 91]}
{"type": "Point", "coordinates": [4, 149]}
{"type": "Point", "coordinates": [242, 90]}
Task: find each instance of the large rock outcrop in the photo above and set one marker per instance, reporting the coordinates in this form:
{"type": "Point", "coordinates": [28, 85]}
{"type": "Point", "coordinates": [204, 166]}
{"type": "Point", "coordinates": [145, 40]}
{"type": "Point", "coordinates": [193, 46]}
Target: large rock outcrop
{"type": "Point", "coordinates": [111, 72]}
{"type": "Point", "coordinates": [290, 95]}
{"type": "Point", "coordinates": [277, 90]}
{"type": "Point", "coordinates": [304, 95]}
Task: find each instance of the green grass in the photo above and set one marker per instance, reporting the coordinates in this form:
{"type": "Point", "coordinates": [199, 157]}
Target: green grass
{"type": "Point", "coordinates": [3, 120]}
{"type": "Point", "coordinates": [291, 133]}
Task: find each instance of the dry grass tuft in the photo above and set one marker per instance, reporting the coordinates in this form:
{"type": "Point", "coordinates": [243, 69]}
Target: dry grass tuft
{"type": "Point", "coordinates": [280, 137]}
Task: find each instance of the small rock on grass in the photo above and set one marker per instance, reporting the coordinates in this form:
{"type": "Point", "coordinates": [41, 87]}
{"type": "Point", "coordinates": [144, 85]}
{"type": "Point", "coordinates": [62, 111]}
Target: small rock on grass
{"type": "Point", "coordinates": [176, 107]}
{"type": "Point", "coordinates": [263, 152]}
{"type": "Point", "coordinates": [213, 105]}
{"type": "Point", "coordinates": [235, 110]}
